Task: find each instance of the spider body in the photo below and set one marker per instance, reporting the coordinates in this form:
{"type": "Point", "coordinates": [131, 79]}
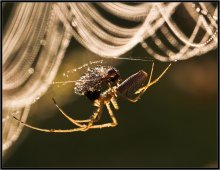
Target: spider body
{"type": "Point", "coordinates": [92, 82]}
{"type": "Point", "coordinates": [91, 85]}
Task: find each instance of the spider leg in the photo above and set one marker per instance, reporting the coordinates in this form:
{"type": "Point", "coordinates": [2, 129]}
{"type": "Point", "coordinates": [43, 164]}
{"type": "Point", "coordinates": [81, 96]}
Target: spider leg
{"type": "Point", "coordinates": [150, 83]}
{"type": "Point", "coordinates": [113, 99]}
{"type": "Point", "coordinates": [69, 118]}
{"type": "Point", "coordinates": [94, 118]}
{"type": "Point", "coordinates": [114, 103]}
{"type": "Point", "coordinates": [113, 124]}
{"type": "Point", "coordinates": [114, 121]}
{"type": "Point", "coordinates": [83, 121]}
{"type": "Point", "coordinates": [51, 130]}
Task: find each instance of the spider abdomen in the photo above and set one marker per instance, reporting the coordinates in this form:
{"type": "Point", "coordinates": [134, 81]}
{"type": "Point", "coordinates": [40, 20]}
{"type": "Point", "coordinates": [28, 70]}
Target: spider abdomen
{"type": "Point", "coordinates": [129, 86]}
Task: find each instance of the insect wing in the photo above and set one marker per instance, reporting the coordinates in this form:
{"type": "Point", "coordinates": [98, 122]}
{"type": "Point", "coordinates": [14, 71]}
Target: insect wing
{"type": "Point", "coordinates": [128, 87]}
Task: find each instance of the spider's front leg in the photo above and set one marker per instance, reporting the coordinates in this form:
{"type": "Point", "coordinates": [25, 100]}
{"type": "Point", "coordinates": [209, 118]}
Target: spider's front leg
{"type": "Point", "coordinates": [150, 83]}
{"type": "Point", "coordinates": [135, 85]}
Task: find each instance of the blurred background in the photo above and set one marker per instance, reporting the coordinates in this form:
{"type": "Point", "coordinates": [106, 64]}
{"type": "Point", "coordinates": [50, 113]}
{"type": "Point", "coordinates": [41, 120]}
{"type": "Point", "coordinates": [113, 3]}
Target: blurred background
{"type": "Point", "coordinates": [174, 124]}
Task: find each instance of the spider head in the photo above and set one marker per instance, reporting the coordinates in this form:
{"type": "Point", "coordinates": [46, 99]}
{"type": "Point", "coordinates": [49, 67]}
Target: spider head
{"type": "Point", "coordinates": [113, 75]}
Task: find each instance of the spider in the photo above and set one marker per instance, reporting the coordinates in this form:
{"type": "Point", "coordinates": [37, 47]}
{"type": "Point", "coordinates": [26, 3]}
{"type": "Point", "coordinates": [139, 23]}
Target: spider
{"type": "Point", "coordinates": [91, 84]}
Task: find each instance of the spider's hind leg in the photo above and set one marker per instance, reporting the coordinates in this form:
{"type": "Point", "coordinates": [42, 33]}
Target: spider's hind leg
{"type": "Point", "coordinates": [94, 118]}
{"type": "Point", "coordinates": [50, 130]}
{"type": "Point", "coordinates": [69, 118]}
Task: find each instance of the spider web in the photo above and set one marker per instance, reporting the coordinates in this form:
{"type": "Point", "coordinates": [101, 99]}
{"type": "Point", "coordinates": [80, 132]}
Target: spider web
{"type": "Point", "coordinates": [36, 36]}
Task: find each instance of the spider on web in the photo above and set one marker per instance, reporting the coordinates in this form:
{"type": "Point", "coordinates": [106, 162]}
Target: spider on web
{"type": "Point", "coordinates": [90, 85]}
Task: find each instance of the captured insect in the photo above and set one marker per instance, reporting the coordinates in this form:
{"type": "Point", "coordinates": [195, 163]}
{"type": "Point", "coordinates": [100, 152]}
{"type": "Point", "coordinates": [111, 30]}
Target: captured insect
{"type": "Point", "coordinates": [91, 84]}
